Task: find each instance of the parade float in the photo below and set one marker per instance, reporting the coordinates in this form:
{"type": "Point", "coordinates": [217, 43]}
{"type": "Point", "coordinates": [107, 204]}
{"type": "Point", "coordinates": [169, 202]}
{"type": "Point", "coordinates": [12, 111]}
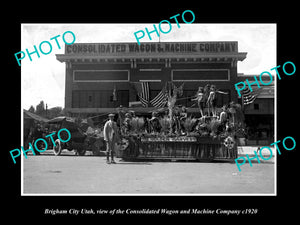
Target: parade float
{"type": "Point", "coordinates": [172, 134]}
{"type": "Point", "coordinates": [168, 133]}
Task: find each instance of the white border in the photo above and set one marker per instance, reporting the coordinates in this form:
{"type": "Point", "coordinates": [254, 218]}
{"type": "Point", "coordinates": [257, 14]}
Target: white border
{"type": "Point", "coordinates": [141, 194]}
{"type": "Point", "coordinates": [22, 123]}
{"type": "Point", "coordinates": [275, 120]}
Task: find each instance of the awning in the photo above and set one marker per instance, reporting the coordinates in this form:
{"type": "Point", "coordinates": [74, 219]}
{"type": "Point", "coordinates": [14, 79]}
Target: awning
{"type": "Point", "coordinates": [60, 119]}
{"type": "Point", "coordinates": [30, 115]}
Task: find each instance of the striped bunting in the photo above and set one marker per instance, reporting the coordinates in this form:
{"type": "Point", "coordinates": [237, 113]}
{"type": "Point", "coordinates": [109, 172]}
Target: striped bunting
{"type": "Point", "coordinates": [248, 96]}
{"type": "Point", "coordinates": [144, 94]}
{"type": "Point", "coordinates": [161, 99]}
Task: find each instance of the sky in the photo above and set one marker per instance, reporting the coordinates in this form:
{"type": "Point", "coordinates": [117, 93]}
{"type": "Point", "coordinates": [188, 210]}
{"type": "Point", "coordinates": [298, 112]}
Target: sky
{"type": "Point", "coordinates": [44, 78]}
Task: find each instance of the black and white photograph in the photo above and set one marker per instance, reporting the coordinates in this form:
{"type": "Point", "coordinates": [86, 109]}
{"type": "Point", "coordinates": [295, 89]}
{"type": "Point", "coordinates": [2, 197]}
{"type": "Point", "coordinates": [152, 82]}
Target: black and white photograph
{"type": "Point", "coordinates": [178, 109]}
{"type": "Point", "coordinates": [142, 111]}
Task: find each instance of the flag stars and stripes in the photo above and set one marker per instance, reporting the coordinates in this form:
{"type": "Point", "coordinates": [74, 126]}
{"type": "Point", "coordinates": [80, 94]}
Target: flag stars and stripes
{"type": "Point", "coordinates": [248, 96]}
{"type": "Point", "coordinates": [144, 95]}
{"type": "Point", "coordinates": [161, 99]}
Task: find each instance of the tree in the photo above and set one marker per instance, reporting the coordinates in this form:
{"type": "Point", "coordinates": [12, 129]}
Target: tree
{"type": "Point", "coordinates": [62, 112]}
{"type": "Point", "coordinates": [40, 108]}
{"type": "Point", "coordinates": [31, 109]}
{"type": "Point", "coordinates": [54, 112]}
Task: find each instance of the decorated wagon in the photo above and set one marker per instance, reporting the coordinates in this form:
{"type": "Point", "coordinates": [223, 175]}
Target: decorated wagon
{"type": "Point", "coordinates": [197, 145]}
{"type": "Point", "coordinates": [174, 135]}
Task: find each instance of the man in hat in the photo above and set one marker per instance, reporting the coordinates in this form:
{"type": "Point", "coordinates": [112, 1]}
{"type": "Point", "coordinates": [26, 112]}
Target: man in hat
{"type": "Point", "coordinates": [111, 137]}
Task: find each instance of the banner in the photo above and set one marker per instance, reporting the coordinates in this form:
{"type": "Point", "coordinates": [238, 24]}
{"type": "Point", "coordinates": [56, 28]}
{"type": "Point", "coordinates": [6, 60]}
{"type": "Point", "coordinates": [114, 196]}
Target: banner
{"type": "Point", "coordinates": [167, 47]}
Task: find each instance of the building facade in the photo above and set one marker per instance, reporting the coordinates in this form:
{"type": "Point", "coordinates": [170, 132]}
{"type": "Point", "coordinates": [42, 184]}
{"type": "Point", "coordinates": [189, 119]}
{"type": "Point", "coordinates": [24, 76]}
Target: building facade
{"type": "Point", "coordinates": [101, 77]}
{"type": "Point", "coordinates": [259, 115]}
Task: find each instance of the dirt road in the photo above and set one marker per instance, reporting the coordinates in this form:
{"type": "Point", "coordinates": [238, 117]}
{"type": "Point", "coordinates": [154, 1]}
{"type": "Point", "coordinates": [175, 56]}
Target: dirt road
{"type": "Point", "coordinates": [69, 174]}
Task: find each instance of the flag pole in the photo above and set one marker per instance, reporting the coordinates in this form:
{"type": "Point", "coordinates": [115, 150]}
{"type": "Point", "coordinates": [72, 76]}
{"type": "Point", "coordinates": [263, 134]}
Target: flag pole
{"type": "Point", "coordinates": [185, 98]}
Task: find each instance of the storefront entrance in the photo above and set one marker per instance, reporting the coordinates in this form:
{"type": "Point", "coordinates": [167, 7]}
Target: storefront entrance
{"type": "Point", "coordinates": [260, 129]}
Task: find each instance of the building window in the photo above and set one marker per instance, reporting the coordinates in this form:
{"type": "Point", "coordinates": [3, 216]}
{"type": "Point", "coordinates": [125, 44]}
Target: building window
{"type": "Point", "coordinates": [99, 99]}
{"type": "Point", "coordinates": [192, 75]}
{"type": "Point", "coordinates": [100, 75]}
{"type": "Point", "coordinates": [256, 106]}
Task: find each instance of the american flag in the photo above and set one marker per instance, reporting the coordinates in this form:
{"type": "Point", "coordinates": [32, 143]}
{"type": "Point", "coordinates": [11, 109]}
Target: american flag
{"type": "Point", "coordinates": [144, 94]}
{"type": "Point", "coordinates": [161, 99]}
{"type": "Point", "coordinates": [248, 96]}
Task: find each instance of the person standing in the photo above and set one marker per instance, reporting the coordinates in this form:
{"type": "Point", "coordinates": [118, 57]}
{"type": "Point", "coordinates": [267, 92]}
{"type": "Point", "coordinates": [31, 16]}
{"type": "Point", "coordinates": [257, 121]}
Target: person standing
{"type": "Point", "coordinates": [200, 100]}
{"type": "Point", "coordinates": [212, 100]}
{"type": "Point", "coordinates": [37, 133]}
{"type": "Point", "coordinates": [111, 137]}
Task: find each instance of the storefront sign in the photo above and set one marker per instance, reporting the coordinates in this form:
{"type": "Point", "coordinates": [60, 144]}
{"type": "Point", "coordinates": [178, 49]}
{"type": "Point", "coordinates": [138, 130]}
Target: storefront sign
{"type": "Point", "coordinates": [169, 139]}
{"type": "Point", "coordinates": [168, 47]}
